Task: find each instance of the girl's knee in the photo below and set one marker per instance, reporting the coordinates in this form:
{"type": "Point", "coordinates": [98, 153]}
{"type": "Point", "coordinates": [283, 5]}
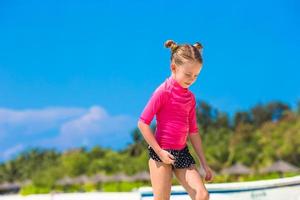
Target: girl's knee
{"type": "Point", "coordinates": [202, 195]}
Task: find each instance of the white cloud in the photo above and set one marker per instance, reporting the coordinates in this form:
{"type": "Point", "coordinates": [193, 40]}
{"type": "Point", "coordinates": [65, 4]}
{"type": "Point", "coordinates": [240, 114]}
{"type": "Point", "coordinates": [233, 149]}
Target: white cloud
{"type": "Point", "coordinates": [34, 121]}
{"type": "Point", "coordinates": [69, 127]}
{"type": "Point", "coordinates": [88, 123]}
{"type": "Point", "coordinates": [96, 123]}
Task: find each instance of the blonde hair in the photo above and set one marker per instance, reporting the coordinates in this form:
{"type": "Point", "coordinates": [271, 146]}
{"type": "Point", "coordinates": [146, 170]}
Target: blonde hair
{"type": "Point", "coordinates": [184, 53]}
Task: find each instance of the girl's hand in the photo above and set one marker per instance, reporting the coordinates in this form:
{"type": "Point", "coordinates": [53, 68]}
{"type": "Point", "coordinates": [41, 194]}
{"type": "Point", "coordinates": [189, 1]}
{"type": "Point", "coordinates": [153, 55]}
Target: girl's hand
{"type": "Point", "coordinates": [166, 157]}
{"type": "Point", "coordinates": [208, 173]}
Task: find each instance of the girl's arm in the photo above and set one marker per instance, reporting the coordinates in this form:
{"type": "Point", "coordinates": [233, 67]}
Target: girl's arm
{"type": "Point", "coordinates": [194, 135]}
{"type": "Point", "coordinates": [149, 136]}
{"type": "Point", "coordinates": [157, 100]}
{"type": "Point", "coordinates": [164, 155]}
{"type": "Point", "coordinates": [153, 106]}
{"type": "Point", "coordinates": [197, 144]}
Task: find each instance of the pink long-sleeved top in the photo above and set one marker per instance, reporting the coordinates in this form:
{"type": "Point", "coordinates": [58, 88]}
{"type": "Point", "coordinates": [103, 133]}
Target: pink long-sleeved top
{"type": "Point", "coordinates": [175, 110]}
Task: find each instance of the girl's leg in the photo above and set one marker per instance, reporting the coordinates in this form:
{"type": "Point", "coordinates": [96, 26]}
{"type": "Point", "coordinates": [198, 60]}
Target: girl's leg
{"type": "Point", "coordinates": [161, 179]}
{"type": "Point", "coordinates": [191, 180]}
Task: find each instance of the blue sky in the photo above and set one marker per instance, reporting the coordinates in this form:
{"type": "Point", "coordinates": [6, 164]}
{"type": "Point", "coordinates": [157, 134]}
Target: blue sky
{"type": "Point", "coordinates": [78, 73]}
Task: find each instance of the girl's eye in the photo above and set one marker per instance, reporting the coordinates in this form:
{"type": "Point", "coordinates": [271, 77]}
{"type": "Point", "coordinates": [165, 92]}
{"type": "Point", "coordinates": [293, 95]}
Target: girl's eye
{"type": "Point", "coordinates": [187, 74]}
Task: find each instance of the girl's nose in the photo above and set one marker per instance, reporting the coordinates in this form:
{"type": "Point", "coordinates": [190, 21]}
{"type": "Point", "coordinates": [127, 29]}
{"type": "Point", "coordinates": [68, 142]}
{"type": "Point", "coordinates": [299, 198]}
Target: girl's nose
{"type": "Point", "coordinates": [192, 79]}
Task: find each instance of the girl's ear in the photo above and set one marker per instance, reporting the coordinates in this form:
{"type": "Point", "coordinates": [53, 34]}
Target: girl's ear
{"type": "Point", "coordinates": [173, 67]}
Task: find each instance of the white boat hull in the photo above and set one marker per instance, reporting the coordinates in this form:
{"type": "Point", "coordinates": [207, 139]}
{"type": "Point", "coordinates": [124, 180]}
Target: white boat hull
{"type": "Point", "coordinates": [276, 189]}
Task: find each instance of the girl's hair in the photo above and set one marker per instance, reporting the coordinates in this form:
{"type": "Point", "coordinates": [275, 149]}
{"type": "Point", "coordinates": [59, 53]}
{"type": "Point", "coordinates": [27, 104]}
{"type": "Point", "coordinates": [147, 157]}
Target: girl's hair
{"type": "Point", "coordinates": [185, 53]}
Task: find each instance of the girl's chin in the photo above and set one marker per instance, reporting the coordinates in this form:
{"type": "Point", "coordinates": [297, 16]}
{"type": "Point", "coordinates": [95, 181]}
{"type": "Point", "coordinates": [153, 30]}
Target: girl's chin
{"type": "Point", "coordinates": [185, 85]}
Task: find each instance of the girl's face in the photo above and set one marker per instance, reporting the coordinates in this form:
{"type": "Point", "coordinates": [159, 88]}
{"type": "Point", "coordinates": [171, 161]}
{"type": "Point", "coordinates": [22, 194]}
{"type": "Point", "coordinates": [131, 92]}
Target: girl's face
{"type": "Point", "coordinates": [187, 73]}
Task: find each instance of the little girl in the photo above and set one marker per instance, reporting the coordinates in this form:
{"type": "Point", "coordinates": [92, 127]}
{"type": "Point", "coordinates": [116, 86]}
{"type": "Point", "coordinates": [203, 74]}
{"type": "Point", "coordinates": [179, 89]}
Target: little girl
{"type": "Point", "coordinates": [175, 108]}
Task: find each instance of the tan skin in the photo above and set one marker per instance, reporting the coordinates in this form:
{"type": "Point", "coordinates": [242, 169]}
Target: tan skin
{"type": "Point", "coordinates": [161, 172]}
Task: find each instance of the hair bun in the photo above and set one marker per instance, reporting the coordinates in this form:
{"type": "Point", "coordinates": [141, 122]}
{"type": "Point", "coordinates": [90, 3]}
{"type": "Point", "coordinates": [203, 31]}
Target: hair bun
{"type": "Point", "coordinates": [198, 46]}
{"type": "Point", "coordinates": [171, 44]}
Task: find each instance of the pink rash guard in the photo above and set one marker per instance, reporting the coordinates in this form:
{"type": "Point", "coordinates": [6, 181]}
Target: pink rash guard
{"type": "Point", "coordinates": [175, 110]}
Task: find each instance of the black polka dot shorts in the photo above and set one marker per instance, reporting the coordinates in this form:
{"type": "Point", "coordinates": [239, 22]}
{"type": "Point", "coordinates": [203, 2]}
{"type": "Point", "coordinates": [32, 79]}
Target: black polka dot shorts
{"type": "Point", "coordinates": [183, 158]}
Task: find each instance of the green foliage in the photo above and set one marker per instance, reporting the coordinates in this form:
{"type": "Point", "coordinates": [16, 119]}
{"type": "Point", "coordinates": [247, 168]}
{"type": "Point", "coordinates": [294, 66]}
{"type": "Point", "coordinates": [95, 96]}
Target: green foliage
{"type": "Point", "coordinates": [33, 189]}
{"type": "Point", "coordinates": [89, 187]}
{"type": "Point", "coordinates": [50, 176]}
{"type": "Point", "coordinates": [121, 186]}
{"type": "Point", "coordinates": [75, 163]}
{"type": "Point", "coordinates": [215, 144]}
